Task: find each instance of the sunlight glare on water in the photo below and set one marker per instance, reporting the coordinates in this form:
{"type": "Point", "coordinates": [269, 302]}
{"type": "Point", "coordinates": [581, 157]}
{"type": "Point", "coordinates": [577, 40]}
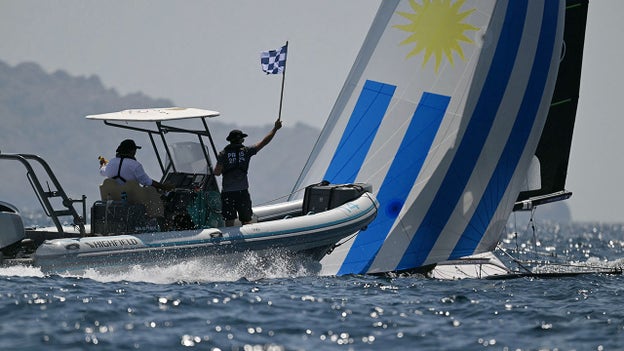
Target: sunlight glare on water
{"type": "Point", "coordinates": [250, 303]}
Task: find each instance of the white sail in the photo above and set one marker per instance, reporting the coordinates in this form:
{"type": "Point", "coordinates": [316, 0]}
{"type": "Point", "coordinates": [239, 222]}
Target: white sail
{"type": "Point", "coordinates": [441, 113]}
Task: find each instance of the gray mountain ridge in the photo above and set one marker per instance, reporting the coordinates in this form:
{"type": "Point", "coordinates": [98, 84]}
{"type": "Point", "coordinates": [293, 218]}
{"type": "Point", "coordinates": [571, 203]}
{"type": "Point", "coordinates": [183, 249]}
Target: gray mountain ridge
{"type": "Point", "coordinates": [43, 114]}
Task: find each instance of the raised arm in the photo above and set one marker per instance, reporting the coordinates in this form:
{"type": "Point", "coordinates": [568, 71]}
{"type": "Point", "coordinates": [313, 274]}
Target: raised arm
{"type": "Point", "coordinates": [262, 143]}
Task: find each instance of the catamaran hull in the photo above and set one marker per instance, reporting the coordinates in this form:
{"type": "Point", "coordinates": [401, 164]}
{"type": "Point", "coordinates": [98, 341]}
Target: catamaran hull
{"type": "Point", "coordinates": [312, 235]}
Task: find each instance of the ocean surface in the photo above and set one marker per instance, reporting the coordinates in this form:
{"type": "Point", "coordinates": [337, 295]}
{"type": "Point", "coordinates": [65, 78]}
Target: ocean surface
{"type": "Point", "coordinates": [206, 305]}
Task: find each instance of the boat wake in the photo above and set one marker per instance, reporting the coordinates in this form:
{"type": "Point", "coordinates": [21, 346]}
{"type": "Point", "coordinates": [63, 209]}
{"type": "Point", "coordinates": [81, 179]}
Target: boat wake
{"type": "Point", "coordinates": [21, 271]}
{"type": "Point", "coordinates": [243, 266]}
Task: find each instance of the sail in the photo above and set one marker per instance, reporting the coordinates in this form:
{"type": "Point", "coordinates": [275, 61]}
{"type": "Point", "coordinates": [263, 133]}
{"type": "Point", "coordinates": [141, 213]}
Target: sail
{"type": "Point", "coordinates": [553, 151]}
{"type": "Point", "coordinates": [441, 113]}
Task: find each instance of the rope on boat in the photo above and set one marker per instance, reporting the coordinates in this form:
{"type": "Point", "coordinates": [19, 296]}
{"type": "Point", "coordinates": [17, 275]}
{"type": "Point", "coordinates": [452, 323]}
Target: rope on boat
{"type": "Point", "coordinates": [281, 197]}
{"type": "Point", "coordinates": [584, 268]}
{"type": "Point", "coordinates": [340, 243]}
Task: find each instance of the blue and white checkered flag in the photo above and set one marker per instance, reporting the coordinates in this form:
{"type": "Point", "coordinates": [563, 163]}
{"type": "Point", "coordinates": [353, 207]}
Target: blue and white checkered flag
{"type": "Point", "coordinates": [274, 61]}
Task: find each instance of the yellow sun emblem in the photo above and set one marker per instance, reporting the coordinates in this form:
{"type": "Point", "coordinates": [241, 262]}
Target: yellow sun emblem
{"type": "Point", "coordinates": [437, 29]}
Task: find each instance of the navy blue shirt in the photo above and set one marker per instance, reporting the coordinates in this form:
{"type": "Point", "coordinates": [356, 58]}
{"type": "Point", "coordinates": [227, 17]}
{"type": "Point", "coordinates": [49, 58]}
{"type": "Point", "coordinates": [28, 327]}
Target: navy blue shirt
{"type": "Point", "coordinates": [235, 162]}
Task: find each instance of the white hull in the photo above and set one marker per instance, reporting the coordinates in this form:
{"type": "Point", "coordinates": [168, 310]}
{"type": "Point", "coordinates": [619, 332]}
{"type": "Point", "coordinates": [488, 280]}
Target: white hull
{"type": "Point", "coordinates": [473, 267]}
{"type": "Point", "coordinates": [312, 235]}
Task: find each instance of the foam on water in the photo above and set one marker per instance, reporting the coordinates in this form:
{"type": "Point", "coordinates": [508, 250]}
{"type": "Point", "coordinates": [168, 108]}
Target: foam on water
{"type": "Point", "coordinates": [249, 266]}
{"type": "Point", "coordinates": [21, 271]}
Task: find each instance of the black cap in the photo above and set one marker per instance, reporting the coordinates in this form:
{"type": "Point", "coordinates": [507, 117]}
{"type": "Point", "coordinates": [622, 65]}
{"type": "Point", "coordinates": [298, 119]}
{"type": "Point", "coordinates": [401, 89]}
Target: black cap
{"type": "Point", "coordinates": [127, 146]}
{"type": "Point", "coordinates": [236, 135]}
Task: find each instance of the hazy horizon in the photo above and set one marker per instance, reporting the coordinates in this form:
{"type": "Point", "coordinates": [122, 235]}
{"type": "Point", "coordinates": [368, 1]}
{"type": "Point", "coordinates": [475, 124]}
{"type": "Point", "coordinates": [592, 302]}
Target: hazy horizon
{"type": "Point", "coordinates": [206, 54]}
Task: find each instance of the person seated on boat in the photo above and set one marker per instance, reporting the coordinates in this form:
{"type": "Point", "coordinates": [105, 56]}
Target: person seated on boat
{"type": "Point", "coordinates": [124, 167]}
{"type": "Point", "coordinates": [233, 164]}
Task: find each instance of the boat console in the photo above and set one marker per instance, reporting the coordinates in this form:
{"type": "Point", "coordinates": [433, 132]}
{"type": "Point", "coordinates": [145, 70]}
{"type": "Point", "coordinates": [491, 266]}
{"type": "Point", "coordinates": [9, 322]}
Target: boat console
{"type": "Point", "coordinates": [190, 181]}
{"type": "Point", "coordinates": [195, 202]}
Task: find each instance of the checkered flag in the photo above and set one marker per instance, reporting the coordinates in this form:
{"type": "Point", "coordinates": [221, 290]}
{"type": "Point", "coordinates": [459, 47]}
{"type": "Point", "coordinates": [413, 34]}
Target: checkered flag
{"type": "Point", "coordinates": [274, 61]}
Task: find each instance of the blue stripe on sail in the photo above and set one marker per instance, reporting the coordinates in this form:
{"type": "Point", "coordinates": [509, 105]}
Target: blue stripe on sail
{"type": "Point", "coordinates": [473, 139]}
{"type": "Point", "coordinates": [401, 176]}
{"type": "Point", "coordinates": [360, 132]}
{"type": "Point", "coordinates": [518, 137]}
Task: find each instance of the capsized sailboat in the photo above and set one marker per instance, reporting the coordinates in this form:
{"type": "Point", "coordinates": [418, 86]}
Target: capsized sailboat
{"type": "Point", "coordinates": [133, 225]}
{"type": "Point", "coordinates": [547, 172]}
{"type": "Point", "coordinates": [442, 113]}
{"type": "Point", "coordinates": [449, 114]}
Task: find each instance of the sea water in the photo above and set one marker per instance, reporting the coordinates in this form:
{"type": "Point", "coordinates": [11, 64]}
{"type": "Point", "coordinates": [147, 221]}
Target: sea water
{"type": "Point", "coordinates": [283, 305]}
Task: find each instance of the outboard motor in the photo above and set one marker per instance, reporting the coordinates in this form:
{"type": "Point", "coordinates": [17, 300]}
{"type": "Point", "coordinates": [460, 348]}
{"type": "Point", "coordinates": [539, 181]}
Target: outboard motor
{"type": "Point", "coordinates": [12, 232]}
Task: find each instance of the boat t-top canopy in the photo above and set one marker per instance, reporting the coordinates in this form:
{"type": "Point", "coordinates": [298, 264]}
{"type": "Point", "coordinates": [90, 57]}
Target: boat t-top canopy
{"type": "Point", "coordinates": [160, 116]}
{"type": "Point", "coordinates": [154, 114]}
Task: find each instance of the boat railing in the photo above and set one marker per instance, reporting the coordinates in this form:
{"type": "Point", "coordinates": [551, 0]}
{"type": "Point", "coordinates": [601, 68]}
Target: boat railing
{"type": "Point", "coordinates": [44, 196]}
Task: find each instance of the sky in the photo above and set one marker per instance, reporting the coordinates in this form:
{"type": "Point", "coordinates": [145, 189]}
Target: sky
{"type": "Point", "coordinates": [205, 54]}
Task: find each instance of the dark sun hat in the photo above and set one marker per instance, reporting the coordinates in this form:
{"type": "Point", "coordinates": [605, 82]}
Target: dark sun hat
{"type": "Point", "coordinates": [127, 146]}
{"type": "Point", "coordinates": [235, 135]}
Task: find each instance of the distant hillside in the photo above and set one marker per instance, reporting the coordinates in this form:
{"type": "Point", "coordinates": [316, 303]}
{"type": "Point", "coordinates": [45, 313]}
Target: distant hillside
{"type": "Point", "coordinates": [44, 114]}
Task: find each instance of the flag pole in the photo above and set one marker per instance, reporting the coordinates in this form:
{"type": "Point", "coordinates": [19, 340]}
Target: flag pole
{"type": "Point", "coordinates": [279, 116]}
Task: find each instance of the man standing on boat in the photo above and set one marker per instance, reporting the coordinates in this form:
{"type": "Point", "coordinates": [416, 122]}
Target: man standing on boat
{"type": "Point", "coordinates": [233, 164]}
{"type": "Point", "coordinates": [125, 167]}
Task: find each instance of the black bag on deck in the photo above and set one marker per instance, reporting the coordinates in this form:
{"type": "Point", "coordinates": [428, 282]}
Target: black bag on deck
{"type": "Point", "coordinates": [117, 217]}
{"type": "Point", "coordinates": [324, 196]}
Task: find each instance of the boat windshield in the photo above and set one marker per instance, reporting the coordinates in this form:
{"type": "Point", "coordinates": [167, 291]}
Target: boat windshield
{"type": "Point", "coordinates": [188, 157]}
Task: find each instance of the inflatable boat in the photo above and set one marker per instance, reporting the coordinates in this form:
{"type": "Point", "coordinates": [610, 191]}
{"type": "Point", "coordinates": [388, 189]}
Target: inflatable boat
{"type": "Point", "coordinates": [132, 225]}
